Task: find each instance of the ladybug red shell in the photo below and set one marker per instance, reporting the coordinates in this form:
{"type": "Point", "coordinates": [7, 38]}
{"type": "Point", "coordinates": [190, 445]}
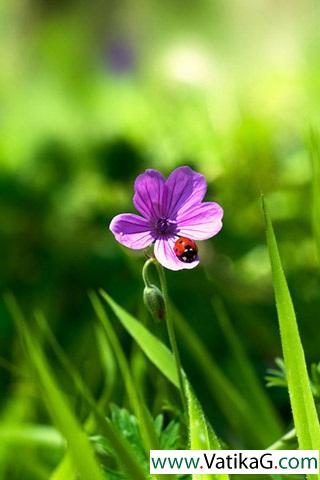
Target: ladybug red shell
{"type": "Point", "coordinates": [186, 250]}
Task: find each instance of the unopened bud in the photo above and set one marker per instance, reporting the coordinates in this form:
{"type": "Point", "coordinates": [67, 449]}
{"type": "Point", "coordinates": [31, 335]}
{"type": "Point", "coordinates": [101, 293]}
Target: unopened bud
{"type": "Point", "coordinates": [153, 300]}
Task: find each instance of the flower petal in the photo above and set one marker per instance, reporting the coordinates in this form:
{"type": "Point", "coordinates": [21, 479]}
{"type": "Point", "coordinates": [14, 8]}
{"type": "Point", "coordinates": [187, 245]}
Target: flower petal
{"type": "Point", "coordinates": [163, 251]}
{"type": "Point", "coordinates": [201, 221]}
{"type": "Point", "coordinates": [184, 188]}
{"type": "Point", "coordinates": [148, 197]}
{"type": "Point", "coordinates": [131, 230]}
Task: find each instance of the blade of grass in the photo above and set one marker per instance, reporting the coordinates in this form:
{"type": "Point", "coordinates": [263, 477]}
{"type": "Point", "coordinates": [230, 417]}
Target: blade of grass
{"type": "Point", "coordinates": [42, 435]}
{"type": "Point", "coordinates": [315, 161]}
{"type": "Point", "coordinates": [63, 358]}
{"type": "Point", "coordinates": [16, 410]}
{"type": "Point", "coordinates": [79, 446]}
{"type": "Point", "coordinates": [122, 450]}
{"type": "Point", "coordinates": [108, 364]}
{"type": "Point", "coordinates": [231, 402]}
{"type": "Point", "coordinates": [301, 398]}
{"type": "Point", "coordinates": [6, 365]}
{"type": "Point", "coordinates": [286, 442]}
{"type": "Point", "coordinates": [71, 371]}
{"type": "Point", "coordinates": [164, 360]}
{"type": "Point", "coordinates": [143, 415]}
{"type": "Point", "coordinates": [155, 350]}
{"type": "Point", "coordinates": [262, 408]}
{"type": "Point", "coordinates": [64, 470]}
{"type": "Point", "coordinates": [201, 438]}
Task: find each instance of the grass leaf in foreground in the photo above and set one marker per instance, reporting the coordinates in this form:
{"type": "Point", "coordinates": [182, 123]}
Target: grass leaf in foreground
{"type": "Point", "coordinates": [162, 358]}
{"type": "Point", "coordinates": [141, 411]}
{"type": "Point", "coordinates": [81, 452]}
{"type": "Point", "coordinates": [96, 419]}
{"type": "Point", "coordinates": [155, 350]}
{"type": "Point", "coordinates": [63, 470]}
{"type": "Point", "coordinates": [202, 437]}
{"type": "Point", "coordinates": [302, 402]}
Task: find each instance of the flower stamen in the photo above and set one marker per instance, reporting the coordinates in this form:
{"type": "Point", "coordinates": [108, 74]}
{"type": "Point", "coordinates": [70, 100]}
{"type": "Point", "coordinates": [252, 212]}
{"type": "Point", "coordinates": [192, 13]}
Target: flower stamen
{"type": "Point", "coordinates": [164, 226]}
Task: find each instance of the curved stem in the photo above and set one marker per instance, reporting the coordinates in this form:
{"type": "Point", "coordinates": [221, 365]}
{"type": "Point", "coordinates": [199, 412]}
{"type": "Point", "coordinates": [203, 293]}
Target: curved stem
{"type": "Point", "coordinates": [171, 333]}
{"type": "Point", "coordinates": [145, 271]}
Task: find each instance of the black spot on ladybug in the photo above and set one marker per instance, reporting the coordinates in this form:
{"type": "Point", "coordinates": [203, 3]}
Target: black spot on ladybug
{"type": "Point", "coordinates": [188, 257]}
{"type": "Point", "coordinates": [186, 250]}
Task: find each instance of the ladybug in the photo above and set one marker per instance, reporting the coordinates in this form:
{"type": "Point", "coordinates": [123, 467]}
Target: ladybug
{"type": "Point", "coordinates": [186, 250]}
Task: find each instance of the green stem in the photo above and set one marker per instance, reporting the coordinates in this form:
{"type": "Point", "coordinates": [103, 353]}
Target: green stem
{"type": "Point", "coordinates": [145, 272]}
{"type": "Point", "coordinates": [171, 333]}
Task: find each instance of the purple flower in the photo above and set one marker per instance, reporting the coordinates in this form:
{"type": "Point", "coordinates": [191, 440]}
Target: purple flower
{"type": "Point", "coordinates": [170, 208]}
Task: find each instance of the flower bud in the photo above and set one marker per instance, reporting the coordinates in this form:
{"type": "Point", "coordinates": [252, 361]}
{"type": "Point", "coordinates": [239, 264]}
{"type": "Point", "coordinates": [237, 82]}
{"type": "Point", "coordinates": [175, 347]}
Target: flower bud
{"type": "Point", "coordinates": [153, 300]}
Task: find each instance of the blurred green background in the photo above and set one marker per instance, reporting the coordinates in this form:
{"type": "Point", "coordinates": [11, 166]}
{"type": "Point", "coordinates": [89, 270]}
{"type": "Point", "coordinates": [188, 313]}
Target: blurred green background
{"type": "Point", "coordinates": [91, 94]}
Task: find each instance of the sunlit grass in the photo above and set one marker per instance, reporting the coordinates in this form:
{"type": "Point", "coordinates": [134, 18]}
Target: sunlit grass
{"type": "Point", "coordinates": [79, 454]}
{"type": "Point", "coordinates": [302, 402]}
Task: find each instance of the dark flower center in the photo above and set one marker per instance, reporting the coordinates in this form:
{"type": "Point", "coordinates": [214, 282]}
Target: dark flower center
{"type": "Point", "coordinates": [165, 226]}
{"type": "Point", "coordinates": [162, 225]}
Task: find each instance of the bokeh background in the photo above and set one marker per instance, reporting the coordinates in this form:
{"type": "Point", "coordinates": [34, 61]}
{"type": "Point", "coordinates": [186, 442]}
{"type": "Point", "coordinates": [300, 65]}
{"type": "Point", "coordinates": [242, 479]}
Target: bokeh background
{"type": "Point", "coordinates": [91, 94]}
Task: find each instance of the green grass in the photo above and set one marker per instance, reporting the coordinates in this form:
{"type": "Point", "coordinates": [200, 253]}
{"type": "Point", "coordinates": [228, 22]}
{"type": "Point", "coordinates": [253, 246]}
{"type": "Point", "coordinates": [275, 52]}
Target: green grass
{"type": "Point", "coordinates": [236, 407]}
{"type": "Point", "coordinates": [302, 402]}
{"type": "Point", "coordinates": [315, 161]}
{"type": "Point", "coordinates": [260, 405]}
{"type": "Point", "coordinates": [109, 442]}
{"type": "Point", "coordinates": [81, 452]}
{"type": "Point", "coordinates": [200, 433]}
